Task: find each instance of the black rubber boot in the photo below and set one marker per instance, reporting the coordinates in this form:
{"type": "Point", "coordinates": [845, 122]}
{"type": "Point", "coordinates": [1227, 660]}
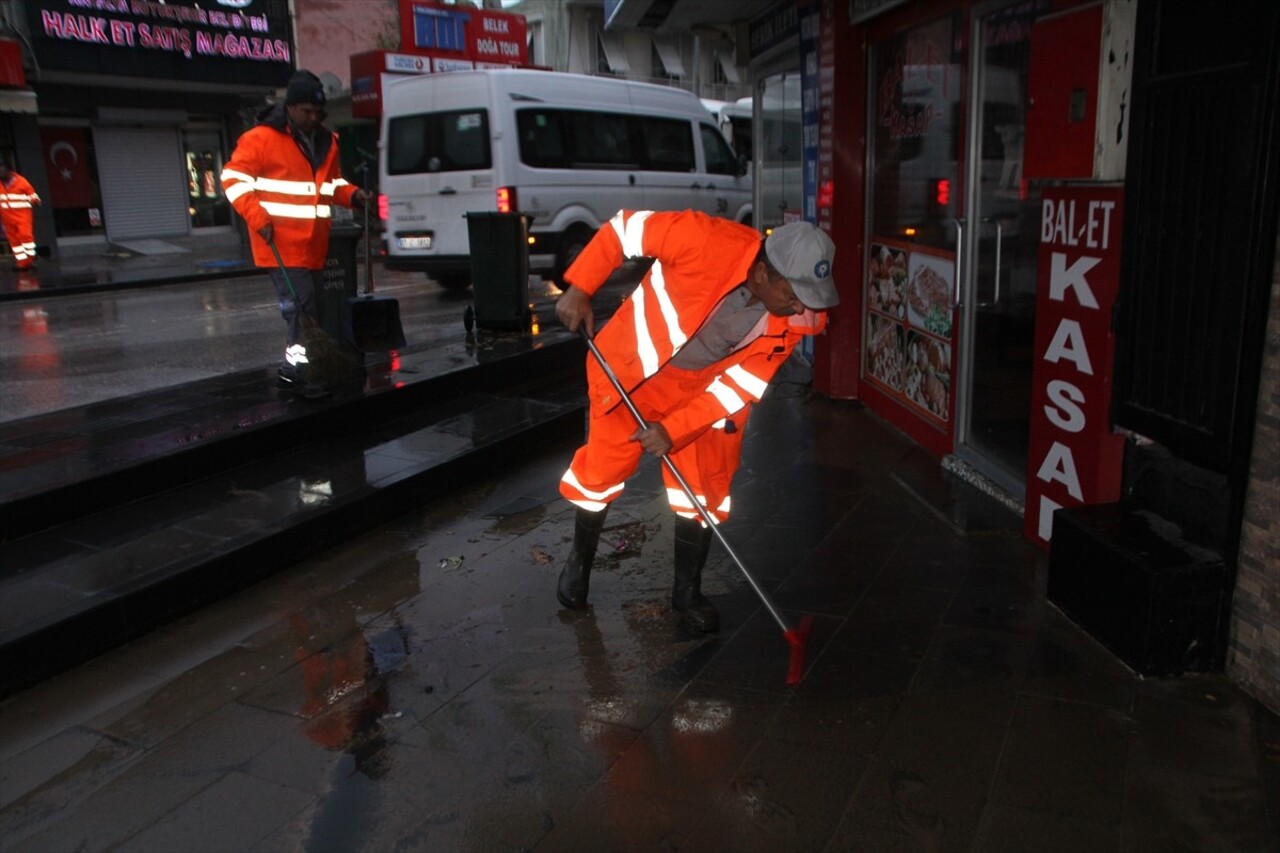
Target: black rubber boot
{"type": "Point", "coordinates": [576, 574]}
{"type": "Point", "coordinates": [693, 542]}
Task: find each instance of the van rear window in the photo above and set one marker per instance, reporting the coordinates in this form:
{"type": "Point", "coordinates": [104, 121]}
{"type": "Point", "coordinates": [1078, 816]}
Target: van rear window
{"type": "Point", "coordinates": [438, 142]}
{"type": "Point", "coordinates": [587, 139]}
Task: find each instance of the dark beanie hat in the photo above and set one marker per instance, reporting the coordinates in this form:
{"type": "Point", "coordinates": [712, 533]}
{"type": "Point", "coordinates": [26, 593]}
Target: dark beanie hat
{"type": "Point", "coordinates": [304, 88]}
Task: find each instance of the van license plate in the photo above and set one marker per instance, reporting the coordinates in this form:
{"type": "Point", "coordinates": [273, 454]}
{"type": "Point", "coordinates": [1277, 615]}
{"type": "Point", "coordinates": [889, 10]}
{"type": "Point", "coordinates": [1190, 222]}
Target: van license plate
{"type": "Point", "coordinates": [417, 241]}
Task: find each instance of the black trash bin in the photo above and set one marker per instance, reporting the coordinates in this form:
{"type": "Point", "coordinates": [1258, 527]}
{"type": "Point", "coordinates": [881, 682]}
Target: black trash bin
{"type": "Point", "coordinates": [499, 270]}
{"type": "Point", "coordinates": [338, 283]}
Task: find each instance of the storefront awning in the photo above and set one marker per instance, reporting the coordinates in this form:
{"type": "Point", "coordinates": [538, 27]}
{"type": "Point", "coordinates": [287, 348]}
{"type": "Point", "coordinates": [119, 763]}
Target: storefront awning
{"type": "Point", "coordinates": [725, 58]}
{"type": "Point", "coordinates": [18, 101]}
{"type": "Point", "coordinates": [611, 43]}
{"type": "Point", "coordinates": [669, 52]}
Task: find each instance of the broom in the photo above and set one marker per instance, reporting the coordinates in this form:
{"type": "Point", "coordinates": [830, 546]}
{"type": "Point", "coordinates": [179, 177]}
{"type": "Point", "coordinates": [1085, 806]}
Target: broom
{"type": "Point", "coordinates": [797, 636]}
{"type": "Point", "coordinates": [327, 362]}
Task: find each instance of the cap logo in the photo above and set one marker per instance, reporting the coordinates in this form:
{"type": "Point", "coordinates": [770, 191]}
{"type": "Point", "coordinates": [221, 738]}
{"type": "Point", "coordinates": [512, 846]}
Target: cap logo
{"type": "Point", "coordinates": [822, 269]}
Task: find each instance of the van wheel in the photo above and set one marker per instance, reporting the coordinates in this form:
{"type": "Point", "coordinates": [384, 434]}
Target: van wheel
{"type": "Point", "coordinates": [575, 240]}
{"type": "Point", "coordinates": [451, 280]}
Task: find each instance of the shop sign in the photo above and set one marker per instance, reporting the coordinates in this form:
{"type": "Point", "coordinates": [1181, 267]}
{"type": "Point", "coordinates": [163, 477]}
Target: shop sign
{"type": "Point", "coordinates": [438, 39]}
{"type": "Point", "coordinates": [236, 42]}
{"type": "Point", "coordinates": [773, 28]}
{"type": "Point", "coordinates": [1074, 457]}
{"type": "Point", "coordinates": [464, 33]}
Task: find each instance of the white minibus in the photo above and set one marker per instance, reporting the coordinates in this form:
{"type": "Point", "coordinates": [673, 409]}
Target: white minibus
{"type": "Point", "coordinates": [566, 150]}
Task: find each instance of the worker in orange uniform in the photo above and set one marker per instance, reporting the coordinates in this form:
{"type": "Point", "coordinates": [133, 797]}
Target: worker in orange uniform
{"type": "Point", "coordinates": [695, 346]}
{"type": "Point", "coordinates": [284, 179]}
{"type": "Point", "coordinates": [17, 197]}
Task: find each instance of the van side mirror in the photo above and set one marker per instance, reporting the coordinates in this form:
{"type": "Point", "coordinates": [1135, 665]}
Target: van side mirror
{"type": "Point", "coordinates": [744, 165]}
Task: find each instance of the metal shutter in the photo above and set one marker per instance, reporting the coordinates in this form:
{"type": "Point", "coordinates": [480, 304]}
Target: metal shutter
{"type": "Point", "coordinates": [141, 175]}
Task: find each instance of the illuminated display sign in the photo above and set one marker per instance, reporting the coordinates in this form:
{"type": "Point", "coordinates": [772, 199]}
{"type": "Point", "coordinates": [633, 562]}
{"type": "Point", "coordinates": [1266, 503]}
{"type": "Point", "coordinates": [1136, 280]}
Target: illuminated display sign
{"type": "Point", "coordinates": [236, 42]}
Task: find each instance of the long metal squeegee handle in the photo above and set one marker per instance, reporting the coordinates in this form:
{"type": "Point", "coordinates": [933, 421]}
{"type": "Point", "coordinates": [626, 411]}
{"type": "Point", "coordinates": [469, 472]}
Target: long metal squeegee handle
{"type": "Point", "coordinates": [368, 250]}
{"type": "Point", "coordinates": [787, 630]}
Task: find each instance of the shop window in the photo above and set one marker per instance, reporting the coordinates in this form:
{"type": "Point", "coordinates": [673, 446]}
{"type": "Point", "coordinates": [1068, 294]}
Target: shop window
{"type": "Point", "coordinates": [202, 157]}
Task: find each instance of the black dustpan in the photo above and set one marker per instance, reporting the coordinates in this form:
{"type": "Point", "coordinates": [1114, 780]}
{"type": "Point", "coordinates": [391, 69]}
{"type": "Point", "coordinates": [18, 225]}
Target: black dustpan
{"type": "Point", "coordinates": [373, 322]}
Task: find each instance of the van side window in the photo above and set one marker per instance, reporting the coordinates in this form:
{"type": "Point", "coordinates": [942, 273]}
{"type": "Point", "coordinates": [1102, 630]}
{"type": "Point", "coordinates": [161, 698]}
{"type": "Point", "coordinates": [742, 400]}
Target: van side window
{"type": "Point", "coordinates": [439, 142]}
{"type": "Point", "coordinates": [720, 159]}
{"type": "Point", "coordinates": [668, 145]}
{"type": "Point", "coordinates": [602, 140]}
{"type": "Point", "coordinates": [541, 139]}
{"type": "Point", "coordinates": [569, 139]}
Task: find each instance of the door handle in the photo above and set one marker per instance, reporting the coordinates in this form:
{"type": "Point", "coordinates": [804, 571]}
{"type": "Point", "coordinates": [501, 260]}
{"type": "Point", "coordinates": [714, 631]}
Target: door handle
{"type": "Point", "coordinates": [999, 246]}
{"type": "Point", "coordinates": [448, 191]}
{"type": "Point", "coordinates": [955, 296]}
{"type": "Point", "coordinates": [995, 298]}
{"type": "Point", "coordinates": [695, 186]}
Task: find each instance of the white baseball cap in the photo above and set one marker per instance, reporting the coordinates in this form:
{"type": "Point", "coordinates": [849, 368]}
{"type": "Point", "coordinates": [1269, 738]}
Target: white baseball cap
{"type": "Point", "coordinates": [802, 252]}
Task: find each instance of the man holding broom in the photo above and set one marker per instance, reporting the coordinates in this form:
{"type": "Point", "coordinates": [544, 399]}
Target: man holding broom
{"type": "Point", "coordinates": [284, 179]}
{"type": "Point", "coordinates": [694, 346]}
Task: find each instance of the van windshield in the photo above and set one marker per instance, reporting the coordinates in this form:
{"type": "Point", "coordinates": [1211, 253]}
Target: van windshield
{"type": "Point", "coordinates": [439, 142]}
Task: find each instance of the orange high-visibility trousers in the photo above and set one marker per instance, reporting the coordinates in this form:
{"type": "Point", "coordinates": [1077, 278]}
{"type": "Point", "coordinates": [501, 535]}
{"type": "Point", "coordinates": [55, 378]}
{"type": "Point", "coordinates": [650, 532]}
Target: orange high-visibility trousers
{"type": "Point", "coordinates": [600, 468]}
{"type": "Point", "coordinates": [20, 234]}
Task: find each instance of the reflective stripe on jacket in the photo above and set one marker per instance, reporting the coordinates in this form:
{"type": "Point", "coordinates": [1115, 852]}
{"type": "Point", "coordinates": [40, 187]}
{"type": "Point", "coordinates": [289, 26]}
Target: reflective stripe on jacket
{"type": "Point", "coordinates": [698, 259]}
{"type": "Point", "coordinates": [18, 194]}
{"type": "Point", "coordinates": [270, 180]}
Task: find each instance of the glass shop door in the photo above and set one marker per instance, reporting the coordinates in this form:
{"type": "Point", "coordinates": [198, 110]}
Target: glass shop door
{"type": "Point", "coordinates": [998, 296]}
{"type": "Point", "coordinates": [950, 287]}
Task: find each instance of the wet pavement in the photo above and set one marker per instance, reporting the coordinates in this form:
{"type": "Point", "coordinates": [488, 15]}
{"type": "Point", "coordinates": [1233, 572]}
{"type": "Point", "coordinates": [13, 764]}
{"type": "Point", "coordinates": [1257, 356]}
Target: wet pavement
{"type": "Point", "coordinates": [115, 267]}
{"type": "Point", "coordinates": [416, 686]}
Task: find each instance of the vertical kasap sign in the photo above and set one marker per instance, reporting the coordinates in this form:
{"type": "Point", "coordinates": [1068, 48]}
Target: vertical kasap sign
{"type": "Point", "coordinates": [1074, 457]}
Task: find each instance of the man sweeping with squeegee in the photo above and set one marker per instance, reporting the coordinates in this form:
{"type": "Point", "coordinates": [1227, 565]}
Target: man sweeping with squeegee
{"type": "Point", "coordinates": [676, 370]}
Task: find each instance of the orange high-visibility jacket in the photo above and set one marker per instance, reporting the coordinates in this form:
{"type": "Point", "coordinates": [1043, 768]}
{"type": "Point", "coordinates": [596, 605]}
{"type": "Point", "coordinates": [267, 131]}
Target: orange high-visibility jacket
{"type": "Point", "coordinates": [698, 260]}
{"type": "Point", "coordinates": [16, 198]}
{"type": "Point", "coordinates": [269, 179]}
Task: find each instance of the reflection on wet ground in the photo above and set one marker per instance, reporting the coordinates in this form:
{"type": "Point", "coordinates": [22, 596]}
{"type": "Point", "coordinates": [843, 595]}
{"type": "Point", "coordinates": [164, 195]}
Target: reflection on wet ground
{"type": "Point", "coordinates": [419, 688]}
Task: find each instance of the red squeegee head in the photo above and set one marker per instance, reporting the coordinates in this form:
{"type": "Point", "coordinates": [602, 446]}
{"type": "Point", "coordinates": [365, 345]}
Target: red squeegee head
{"type": "Point", "coordinates": [797, 638]}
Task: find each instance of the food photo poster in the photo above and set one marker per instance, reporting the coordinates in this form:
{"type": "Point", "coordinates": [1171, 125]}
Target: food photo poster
{"type": "Point", "coordinates": [910, 325]}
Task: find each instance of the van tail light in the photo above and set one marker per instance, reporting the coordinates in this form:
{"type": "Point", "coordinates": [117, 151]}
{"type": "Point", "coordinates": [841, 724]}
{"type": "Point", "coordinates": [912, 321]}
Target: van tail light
{"type": "Point", "coordinates": [382, 206]}
{"type": "Point", "coordinates": [507, 200]}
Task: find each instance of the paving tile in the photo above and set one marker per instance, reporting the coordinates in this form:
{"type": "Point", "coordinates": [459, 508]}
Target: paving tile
{"type": "Point", "coordinates": [1177, 809]}
{"type": "Point", "coordinates": [1086, 745]}
{"type": "Point", "coordinates": [962, 657]}
{"type": "Point", "coordinates": [895, 619]}
{"type": "Point", "coordinates": [104, 816]}
{"type": "Point", "coordinates": [1006, 829]}
{"type": "Point", "coordinates": [1196, 724]}
{"type": "Point", "coordinates": [926, 787]}
{"type": "Point", "coordinates": [1068, 664]}
{"type": "Point", "coordinates": [232, 814]}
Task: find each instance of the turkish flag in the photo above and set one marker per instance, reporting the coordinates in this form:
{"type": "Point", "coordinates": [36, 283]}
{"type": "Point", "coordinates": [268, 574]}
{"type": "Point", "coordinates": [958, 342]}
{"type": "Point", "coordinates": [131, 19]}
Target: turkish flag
{"type": "Point", "coordinates": [67, 166]}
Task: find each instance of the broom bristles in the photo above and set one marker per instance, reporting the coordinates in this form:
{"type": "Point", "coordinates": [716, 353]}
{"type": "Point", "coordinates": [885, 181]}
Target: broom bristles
{"type": "Point", "coordinates": [327, 362]}
{"type": "Point", "coordinates": [797, 638]}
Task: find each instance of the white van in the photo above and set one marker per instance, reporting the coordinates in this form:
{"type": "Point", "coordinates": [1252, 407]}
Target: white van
{"type": "Point", "coordinates": [567, 150]}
